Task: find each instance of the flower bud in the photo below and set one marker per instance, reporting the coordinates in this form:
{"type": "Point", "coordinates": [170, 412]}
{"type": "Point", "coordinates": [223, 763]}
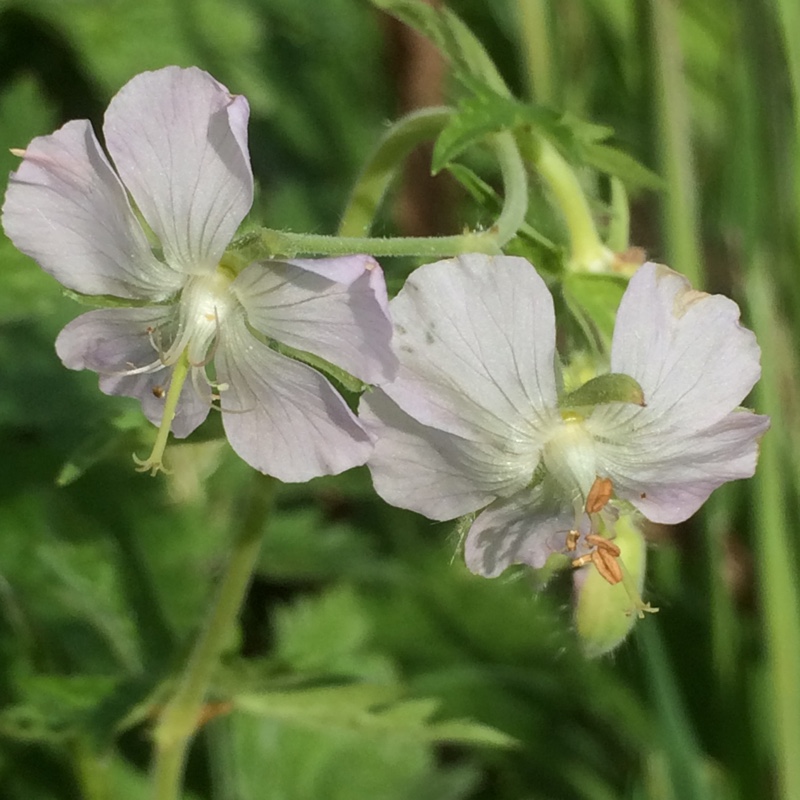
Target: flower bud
{"type": "Point", "coordinates": [605, 612]}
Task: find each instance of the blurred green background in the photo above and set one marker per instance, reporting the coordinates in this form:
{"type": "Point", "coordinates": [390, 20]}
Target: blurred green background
{"type": "Point", "coordinates": [105, 573]}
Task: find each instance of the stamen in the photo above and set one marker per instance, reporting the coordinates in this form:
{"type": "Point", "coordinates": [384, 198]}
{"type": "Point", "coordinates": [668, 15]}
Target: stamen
{"type": "Point", "coordinates": [599, 495]}
{"type": "Point", "coordinates": [607, 565]}
{"type": "Point", "coordinates": [153, 366]}
{"type": "Point", "coordinates": [154, 463]}
{"type": "Point", "coordinates": [605, 556]}
{"type": "Point", "coordinates": [572, 540]}
{"type": "Point", "coordinates": [603, 544]}
{"type": "Point", "coordinates": [152, 333]}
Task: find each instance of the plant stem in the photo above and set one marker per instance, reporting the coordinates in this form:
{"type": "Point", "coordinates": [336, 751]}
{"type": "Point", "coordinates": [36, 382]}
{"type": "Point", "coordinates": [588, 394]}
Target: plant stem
{"type": "Point", "coordinates": [383, 163]}
{"type": "Point", "coordinates": [179, 720]}
{"type": "Point", "coordinates": [535, 27]}
{"type": "Point", "coordinates": [680, 219]}
{"type": "Point", "coordinates": [775, 550]}
{"type": "Point", "coordinates": [587, 251]}
{"type": "Point", "coordinates": [266, 242]}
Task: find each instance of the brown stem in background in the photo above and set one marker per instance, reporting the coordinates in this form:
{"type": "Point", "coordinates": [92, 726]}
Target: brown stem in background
{"type": "Point", "coordinates": [424, 203]}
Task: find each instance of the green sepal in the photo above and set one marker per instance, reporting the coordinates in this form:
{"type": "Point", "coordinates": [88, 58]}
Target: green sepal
{"type": "Point", "coordinates": [107, 300]}
{"type": "Point", "coordinates": [613, 387]}
{"type": "Point", "coordinates": [342, 377]}
{"type": "Point", "coordinates": [606, 613]}
{"type": "Point", "coordinates": [248, 247]}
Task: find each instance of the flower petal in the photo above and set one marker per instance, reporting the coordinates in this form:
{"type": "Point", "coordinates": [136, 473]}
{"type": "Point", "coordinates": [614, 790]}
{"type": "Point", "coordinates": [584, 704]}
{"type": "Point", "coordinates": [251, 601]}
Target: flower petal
{"type": "Point", "coordinates": [429, 471]}
{"type": "Point", "coordinates": [282, 417]}
{"type": "Point", "coordinates": [476, 341]}
{"type": "Point", "coordinates": [66, 208]}
{"type": "Point", "coordinates": [335, 308]}
{"type": "Point", "coordinates": [687, 349]}
{"type": "Point", "coordinates": [669, 476]}
{"type": "Point", "coordinates": [112, 341]}
{"type": "Point", "coordinates": [523, 529]}
{"type": "Point", "coordinates": [179, 141]}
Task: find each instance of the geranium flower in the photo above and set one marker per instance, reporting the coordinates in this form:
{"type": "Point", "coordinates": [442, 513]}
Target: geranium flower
{"type": "Point", "coordinates": [472, 422]}
{"type": "Point", "coordinates": [178, 140]}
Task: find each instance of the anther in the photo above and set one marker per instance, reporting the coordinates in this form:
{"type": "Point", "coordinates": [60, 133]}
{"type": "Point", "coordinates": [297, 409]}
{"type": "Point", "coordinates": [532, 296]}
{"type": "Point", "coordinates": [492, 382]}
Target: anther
{"type": "Point", "coordinates": [572, 540]}
{"type": "Point", "coordinates": [603, 544]}
{"type": "Point", "coordinates": [599, 495]}
{"type": "Point", "coordinates": [607, 565]}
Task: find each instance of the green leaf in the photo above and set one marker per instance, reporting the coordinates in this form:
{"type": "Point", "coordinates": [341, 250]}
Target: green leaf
{"type": "Point", "coordinates": [593, 301]}
{"type": "Point", "coordinates": [483, 194]}
{"type": "Point", "coordinates": [332, 633]}
{"type": "Point", "coordinates": [261, 759]}
{"type": "Point", "coordinates": [53, 706]}
{"type": "Point", "coordinates": [349, 706]}
{"type": "Point", "coordinates": [367, 707]}
{"type": "Point", "coordinates": [471, 63]}
{"type": "Point", "coordinates": [608, 159]}
{"type": "Point", "coordinates": [611, 388]}
{"type": "Point", "coordinates": [300, 544]}
{"type": "Point", "coordinates": [485, 112]}
{"type": "Point", "coordinates": [479, 115]}
{"type": "Point", "coordinates": [106, 439]}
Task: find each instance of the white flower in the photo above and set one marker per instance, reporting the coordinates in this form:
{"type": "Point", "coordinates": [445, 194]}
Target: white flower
{"type": "Point", "coordinates": [178, 140]}
{"type": "Point", "coordinates": [472, 421]}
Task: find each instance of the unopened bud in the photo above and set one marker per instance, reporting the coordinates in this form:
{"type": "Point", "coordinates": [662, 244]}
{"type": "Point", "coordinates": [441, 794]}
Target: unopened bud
{"type": "Point", "coordinates": [605, 611]}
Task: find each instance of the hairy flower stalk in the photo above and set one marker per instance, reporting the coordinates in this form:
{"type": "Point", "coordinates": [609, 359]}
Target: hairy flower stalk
{"type": "Point", "coordinates": [476, 419]}
{"type": "Point", "coordinates": [200, 329]}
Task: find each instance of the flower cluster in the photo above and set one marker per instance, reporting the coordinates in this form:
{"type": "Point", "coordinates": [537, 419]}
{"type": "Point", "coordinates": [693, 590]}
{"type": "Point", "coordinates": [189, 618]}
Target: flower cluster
{"type": "Point", "coordinates": [470, 414]}
{"type": "Point", "coordinates": [178, 140]}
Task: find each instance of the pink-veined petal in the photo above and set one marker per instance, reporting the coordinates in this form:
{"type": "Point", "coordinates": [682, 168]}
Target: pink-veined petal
{"type": "Point", "coordinates": [151, 389]}
{"type": "Point", "coordinates": [282, 417]}
{"type": "Point", "coordinates": [523, 529]}
{"type": "Point", "coordinates": [476, 340]}
{"type": "Point", "coordinates": [113, 341]}
{"type": "Point", "coordinates": [335, 308]}
{"type": "Point", "coordinates": [429, 471]}
{"type": "Point", "coordinates": [693, 359]}
{"type": "Point", "coordinates": [669, 475]}
{"type": "Point", "coordinates": [66, 208]}
{"type": "Point", "coordinates": [179, 141]}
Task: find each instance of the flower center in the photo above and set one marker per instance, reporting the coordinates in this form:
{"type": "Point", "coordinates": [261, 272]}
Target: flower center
{"type": "Point", "coordinates": [205, 302]}
{"type": "Point", "coordinates": [569, 456]}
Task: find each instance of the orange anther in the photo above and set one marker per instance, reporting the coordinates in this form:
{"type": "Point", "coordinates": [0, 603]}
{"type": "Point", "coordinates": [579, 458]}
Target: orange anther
{"type": "Point", "coordinates": [607, 565]}
{"type": "Point", "coordinates": [603, 544]}
{"type": "Point", "coordinates": [599, 495]}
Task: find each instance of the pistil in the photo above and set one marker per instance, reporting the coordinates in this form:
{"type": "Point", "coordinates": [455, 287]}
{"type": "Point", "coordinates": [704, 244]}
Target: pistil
{"type": "Point", "coordinates": [154, 463]}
